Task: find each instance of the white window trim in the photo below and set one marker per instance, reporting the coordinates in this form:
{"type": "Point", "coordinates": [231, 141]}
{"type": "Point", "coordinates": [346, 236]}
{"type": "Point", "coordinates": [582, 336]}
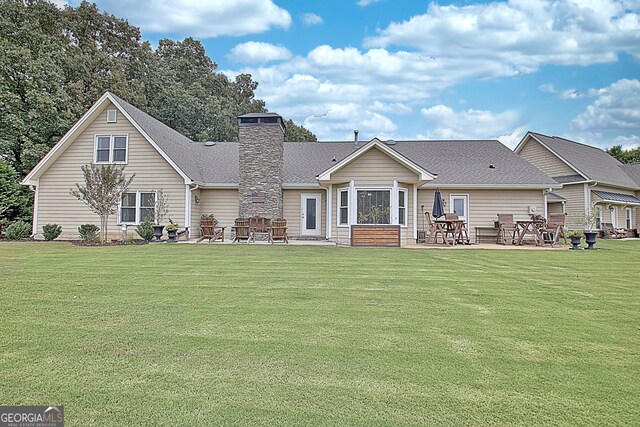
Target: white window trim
{"type": "Point", "coordinates": [138, 207]}
{"type": "Point", "coordinates": [352, 205]}
{"type": "Point", "coordinates": [115, 115]}
{"type": "Point", "coordinates": [338, 206]}
{"type": "Point", "coordinates": [598, 209]}
{"type": "Point", "coordinates": [111, 148]}
{"type": "Point", "coordinates": [628, 216]}
{"type": "Point", "coordinates": [459, 195]}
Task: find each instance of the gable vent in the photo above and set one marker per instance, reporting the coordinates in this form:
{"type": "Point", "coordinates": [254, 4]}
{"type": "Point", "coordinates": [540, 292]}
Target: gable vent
{"type": "Point", "coordinates": [112, 116]}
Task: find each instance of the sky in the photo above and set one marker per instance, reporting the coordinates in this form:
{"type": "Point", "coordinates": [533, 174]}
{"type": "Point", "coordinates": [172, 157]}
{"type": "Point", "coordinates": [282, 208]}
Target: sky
{"type": "Point", "coordinates": [403, 69]}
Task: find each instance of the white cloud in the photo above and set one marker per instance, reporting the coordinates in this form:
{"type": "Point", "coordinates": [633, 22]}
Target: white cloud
{"type": "Point", "coordinates": [616, 107]}
{"type": "Point", "coordinates": [258, 53]}
{"type": "Point", "coordinates": [630, 142]}
{"type": "Point", "coordinates": [311, 19]}
{"type": "Point", "coordinates": [570, 94]}
{"type": "Point", "coordinates": [59, 3]}
{"type": "Point", "coordinates": [471, 124]}
{"type": "Point", "coordinates": [197, 18]}
{"type": "Point", "coordinates": [548, 88]}
{"type": "Point", "coordinates": [521, 34]}
{"type": "Point", "coordinates": [365, 3]}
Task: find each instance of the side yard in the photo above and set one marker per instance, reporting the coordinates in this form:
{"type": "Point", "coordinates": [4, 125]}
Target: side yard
{"type": "Point", "coordinates": [261, 335]}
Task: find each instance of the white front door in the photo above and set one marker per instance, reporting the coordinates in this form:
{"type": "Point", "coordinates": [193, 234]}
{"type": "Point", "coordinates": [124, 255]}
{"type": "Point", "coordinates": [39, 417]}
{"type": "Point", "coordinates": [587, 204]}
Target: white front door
{"type": "Point", "coordinates": [310, 214]}
{"type": "Point", "coordinates": [614, 216]}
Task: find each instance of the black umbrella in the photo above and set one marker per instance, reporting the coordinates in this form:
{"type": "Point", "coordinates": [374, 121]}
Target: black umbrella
{"type": "Point", "coordinates": [438, 210]}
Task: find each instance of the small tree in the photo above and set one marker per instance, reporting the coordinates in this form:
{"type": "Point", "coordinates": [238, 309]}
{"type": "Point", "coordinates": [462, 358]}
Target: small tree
{"type": "Point", "coordinates": [161, 207]}
{"type": "Point", "coordinates": [101, 192]}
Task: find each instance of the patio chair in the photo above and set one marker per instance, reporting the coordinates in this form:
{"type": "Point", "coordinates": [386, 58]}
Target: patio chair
{"type": "Point", "coordinates": [451, 217]}
{"type": "Point", "coordinates": [259, 225]}
{"type": "Point", "coordinates": [209, 231]}
{"type": "Point", "coordinates": [608, 230]}
{"type": "Point", "coordinates": [554, 228]}
{"type": "Point", "coordinates": [182, 232]}
{"type": "Point", "coordinates": [507, 227]}
{"type": "Point", "coordinates": [242, 230]}
{"type": "Point", "coordinates": [434, 229]}
{"type": "Point", "coordinates": [278, 231]}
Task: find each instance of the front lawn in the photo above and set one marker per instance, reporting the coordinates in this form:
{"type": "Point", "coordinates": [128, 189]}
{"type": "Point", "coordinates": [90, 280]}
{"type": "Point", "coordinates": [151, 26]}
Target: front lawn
{"type": "Point", "coordinates": [258, 335]}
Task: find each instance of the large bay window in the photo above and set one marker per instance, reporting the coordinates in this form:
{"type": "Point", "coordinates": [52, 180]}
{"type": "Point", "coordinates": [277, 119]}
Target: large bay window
{"type": "Point", "coordinates": [136, 206]}
{"type": "Point", "coordinates": [372, 206]}
{"type": "Point", "coordinates": [111, 149]}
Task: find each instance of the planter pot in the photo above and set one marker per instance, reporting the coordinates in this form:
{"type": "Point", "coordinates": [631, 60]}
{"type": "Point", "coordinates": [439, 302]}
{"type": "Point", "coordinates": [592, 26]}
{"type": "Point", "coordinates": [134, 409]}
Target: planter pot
{"type": "Point", "coordinates": [157, 232]}
{"type": "Point", "coordinates": [575, 241]}
{"type": "Point", "coordinates": [590, 238]}
{"type": "Point", "coordinates": [172, 235]}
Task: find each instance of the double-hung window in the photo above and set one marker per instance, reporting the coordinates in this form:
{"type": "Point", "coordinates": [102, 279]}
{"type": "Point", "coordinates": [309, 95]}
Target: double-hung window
{"type": "Point", "coordinates": [136, 206]}
{"type": "Point", "coordinates": [402, 206]}
{"type": "Point", "coordinates": [111, 148]}
{"type": "Point", "coordinates": [343, 207]}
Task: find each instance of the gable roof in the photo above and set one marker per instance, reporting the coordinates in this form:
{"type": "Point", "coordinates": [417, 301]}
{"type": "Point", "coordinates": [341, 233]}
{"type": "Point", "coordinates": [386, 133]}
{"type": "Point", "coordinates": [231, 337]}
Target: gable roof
{"type": "Point", "coordinates": [170, 144]}
{"type": "Point", "coordinates": [422, 173]}
{"type": "Point", "coordinates": [593, 163]}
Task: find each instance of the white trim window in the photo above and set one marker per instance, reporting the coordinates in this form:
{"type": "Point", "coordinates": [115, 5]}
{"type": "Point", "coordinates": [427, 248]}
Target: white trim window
{"type": "Point", "coordinates": [628, 218]}
{"type": "Point", "coordinates": [460, 205]}
{"type": "Point", "coordinates": [136, 206]}
{"type": "Point", "coordinates": [112, 116]}
{"type": "Point", "coordinates": [598, 209]}
{"type": "Point", "coordinates": [343, 206]}
{"type": "Point", "coordinates": [402, 207]}
{"type": "Point", "coordinates": [111, 149]}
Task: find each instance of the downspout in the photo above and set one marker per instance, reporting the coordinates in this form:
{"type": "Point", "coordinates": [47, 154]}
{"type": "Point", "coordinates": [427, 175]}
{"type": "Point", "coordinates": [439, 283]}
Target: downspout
{"type": "Point", "coordinates": [36, 191]}
{"type": "Point", "coordinates": [187, 207]}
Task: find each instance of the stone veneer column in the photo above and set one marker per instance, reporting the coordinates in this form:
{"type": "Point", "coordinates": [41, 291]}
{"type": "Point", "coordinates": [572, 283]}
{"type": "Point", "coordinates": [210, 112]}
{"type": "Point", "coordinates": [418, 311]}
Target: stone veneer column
{"type": "Point", "coordinates": [261, 146]}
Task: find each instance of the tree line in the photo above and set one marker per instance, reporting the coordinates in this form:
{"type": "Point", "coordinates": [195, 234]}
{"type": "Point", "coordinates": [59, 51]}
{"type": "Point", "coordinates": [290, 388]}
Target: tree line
{"type": "Point", "coordinates": [55, 63]}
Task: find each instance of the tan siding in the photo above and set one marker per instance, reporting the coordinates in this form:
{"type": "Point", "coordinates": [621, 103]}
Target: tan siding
{"type": "Point", "coordinates": [574, 206]}
{"type": "Point", "coordinates": [374, 168]}
{"type": "Point", "coordinates": [484, 205]}
{"type": "Point", "coordinates": [223, 204]}
{"type": "Point", "coordinates": [152, 172]}
{"type": "Point", "coordinates": [195, 214]}
{"type": "Point", "coordinates": [555, 207]}
{"type": "Point", "coordinates": [292, 206]}
{"type": "Point", "coordinates": [543, 159]}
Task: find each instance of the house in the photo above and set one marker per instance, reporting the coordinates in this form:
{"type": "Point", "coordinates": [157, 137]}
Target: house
{"type": "Point", "coordinates": [590, 178]}
{"type": "Point", "coordinates": [321, 188]}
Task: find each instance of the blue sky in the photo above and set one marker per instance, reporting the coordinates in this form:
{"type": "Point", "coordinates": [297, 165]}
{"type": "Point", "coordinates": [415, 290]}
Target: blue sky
{"type": "Point", "coordinates": [418, 69]}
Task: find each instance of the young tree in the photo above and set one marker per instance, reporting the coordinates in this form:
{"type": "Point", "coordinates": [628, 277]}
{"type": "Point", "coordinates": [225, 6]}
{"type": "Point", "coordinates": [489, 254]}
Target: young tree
{"type": "Point", "coordinates": [101, 192]}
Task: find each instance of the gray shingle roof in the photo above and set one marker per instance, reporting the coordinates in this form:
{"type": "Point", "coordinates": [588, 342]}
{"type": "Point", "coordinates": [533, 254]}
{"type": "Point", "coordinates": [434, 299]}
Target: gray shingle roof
{"type": "Point", "coordinates": [175, 145]}
{"type": "Point", "coordinates": [593, 162]}
{"type": "Point", "coordinates": [552, 197]}
{"type": "Point", "coordinates": [455, 162]}
{"type": "Point", "coordinates": [565, 179]}
{"type": "Point", "coordinates": [616, 197]}
{"type": "Point", "coordinates": [633, 170]}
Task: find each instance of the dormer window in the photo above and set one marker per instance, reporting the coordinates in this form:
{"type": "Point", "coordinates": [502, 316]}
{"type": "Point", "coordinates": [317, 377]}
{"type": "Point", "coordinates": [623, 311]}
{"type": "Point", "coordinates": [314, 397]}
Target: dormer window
{"type": "Point", "coordinates": [112, 116]}
{"type": "Point", "coordinates": [111, 149]}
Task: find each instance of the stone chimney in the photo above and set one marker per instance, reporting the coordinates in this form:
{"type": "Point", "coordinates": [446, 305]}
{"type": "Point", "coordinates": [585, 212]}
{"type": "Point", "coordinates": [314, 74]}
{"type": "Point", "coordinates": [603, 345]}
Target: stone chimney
{"type": "Point", "coordinates": [261, 146]}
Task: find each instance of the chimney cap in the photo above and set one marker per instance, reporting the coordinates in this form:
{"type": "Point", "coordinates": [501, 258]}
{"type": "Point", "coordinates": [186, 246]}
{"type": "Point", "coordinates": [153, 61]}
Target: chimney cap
{"type": "Point", "coordinates": [266, 118]}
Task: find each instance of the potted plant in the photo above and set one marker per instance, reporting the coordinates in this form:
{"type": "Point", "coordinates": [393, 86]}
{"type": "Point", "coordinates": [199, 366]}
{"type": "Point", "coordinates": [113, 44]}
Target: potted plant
{"type": "Point", "coordinates": [590, 222]}
{"type": "Point", "coordinates": [159, 213]}
{"type": "Point", "coordinates": [172, 230]}
{"type": "Point", "coordinates": [576, 237]}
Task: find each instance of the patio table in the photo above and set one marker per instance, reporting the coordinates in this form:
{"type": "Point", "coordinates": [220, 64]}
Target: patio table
{"type": "Point", "coordinates": [531, 228]}
{"type": "Point", "coordinates": [457, 228]}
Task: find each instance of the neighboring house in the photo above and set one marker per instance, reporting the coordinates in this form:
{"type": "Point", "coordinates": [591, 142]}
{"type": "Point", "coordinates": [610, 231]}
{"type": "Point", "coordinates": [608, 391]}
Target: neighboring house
{"type": "Point", "coordinates": [321, 188]}
{"type": "Point", "coordinates": [590, 178]}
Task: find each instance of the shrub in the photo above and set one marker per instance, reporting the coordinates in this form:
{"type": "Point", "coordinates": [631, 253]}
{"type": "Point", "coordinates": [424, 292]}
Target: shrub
{"type": "Point", "coordinates": [18, 230]}
{"type": "Point", "coordinates": [145, 230]}
{"type": "Point", "coordinates": [51, 231]}
{"type": "Point", "coordinates": [211, 217]}
{"type": "Point", "coordinates": [172, 226]}
{"type": "Point", "coordinates": [89, 232]}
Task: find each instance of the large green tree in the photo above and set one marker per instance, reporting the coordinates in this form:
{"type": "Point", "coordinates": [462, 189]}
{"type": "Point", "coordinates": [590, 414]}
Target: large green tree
{"type": "Point", "coordinates": [55, 63]}
{"type": "Point", "coordinates": [625, 156]}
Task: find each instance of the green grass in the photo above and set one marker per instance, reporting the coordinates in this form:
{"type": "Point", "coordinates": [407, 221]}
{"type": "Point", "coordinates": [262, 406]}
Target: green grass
{"type": "Point", "coordinates": [259, 335]}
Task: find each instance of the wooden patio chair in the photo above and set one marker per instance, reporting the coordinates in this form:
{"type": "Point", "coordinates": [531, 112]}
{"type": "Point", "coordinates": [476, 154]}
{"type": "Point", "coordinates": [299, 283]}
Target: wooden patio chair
{"type": "Point", "coordinates": [507, 226]}
{"type": "Point", "coordinates": [608, 230]}
{"type": "Point", "coordinates": [554, 228]}
{"type": "Point", "coordinates": [434, 230]}
{"type": "Point", "coordinates": [278, 231]}
{"type": "Point", "coordinates": [451, 217]}
{"type": "Point", "coordinates": [259, 225]}
{"type": "Point", "coordinates": [209, 231]}
{"type": "Point", "coordinates": [242, 230]}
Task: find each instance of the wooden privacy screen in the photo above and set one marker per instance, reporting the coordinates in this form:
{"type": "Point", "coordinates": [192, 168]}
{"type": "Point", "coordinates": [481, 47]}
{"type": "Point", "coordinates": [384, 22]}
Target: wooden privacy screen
{"type": "Point", "coordinates": [375, 235]}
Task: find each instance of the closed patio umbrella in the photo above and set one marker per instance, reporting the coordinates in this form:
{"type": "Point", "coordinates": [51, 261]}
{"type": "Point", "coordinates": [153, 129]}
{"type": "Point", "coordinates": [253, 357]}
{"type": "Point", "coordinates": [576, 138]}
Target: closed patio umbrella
{"type": "Point", "coordinates": [438, 209]}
